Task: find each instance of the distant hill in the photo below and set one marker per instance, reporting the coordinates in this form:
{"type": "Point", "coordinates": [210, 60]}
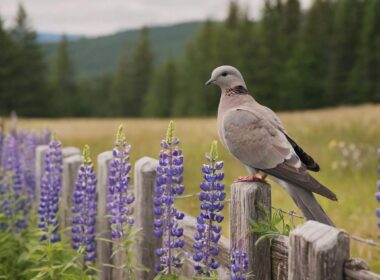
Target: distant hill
{"type": "Point", "coordinates": [44, 37]}
{"type": "Point", "coordinates": [94, 56]}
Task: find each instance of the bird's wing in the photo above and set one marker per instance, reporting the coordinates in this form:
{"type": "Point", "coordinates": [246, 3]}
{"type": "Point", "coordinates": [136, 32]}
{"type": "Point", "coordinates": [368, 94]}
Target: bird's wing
{"type": "Point", "coordinates": [256, 142]}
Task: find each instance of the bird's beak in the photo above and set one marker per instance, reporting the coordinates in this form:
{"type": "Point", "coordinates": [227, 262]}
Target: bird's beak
{"type": "Point", "coordinates": [209, 82]}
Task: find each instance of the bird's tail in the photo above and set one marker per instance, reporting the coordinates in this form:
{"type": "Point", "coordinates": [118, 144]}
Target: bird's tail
{"type": "Point", "coordinates": [307, 203]}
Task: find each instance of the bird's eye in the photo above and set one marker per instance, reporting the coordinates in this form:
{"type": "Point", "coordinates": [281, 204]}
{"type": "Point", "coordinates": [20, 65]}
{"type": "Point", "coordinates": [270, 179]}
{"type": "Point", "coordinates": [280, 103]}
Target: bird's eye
{"type": "Point", "coordinates": [224, 74]}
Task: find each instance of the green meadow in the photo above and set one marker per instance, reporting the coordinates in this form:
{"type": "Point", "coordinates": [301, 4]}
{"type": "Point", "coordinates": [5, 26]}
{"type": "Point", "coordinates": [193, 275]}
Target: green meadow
{"type": "Point", "coordinates": [344, 141]}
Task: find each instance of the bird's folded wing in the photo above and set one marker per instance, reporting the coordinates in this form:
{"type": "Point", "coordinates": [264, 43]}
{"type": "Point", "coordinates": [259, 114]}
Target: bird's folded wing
{"type": "Point", "coordinates": [257, 143]}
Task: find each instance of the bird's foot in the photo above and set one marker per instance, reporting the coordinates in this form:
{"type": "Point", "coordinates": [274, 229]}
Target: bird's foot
{"type": "Point", "coordinates": [257, 178]}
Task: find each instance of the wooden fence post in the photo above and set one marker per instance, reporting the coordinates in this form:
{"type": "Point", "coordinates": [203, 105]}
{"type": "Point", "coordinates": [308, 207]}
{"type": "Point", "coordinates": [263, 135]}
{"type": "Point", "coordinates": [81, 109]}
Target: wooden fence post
{"type": "Point", "coordinates": [248, 201]}
{"type": "Point", "coordinates": [69, 175]}
{"type": "Point", "coordinates": [103, 248]}
{"type": "Point", "coordinates": [40, 156]}
{"type": "Point", "coordinates": [317, 252]}
{"type": "Point", "coordinates": [144, 184]}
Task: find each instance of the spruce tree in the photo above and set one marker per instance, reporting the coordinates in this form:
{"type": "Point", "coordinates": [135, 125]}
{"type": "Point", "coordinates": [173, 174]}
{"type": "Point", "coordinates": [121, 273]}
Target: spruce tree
{"type": "Point", "coordinates": [63, 84]}
{"type": "Point", "coordinates": [163, 88]}
{"type": "Point", "coordinates": [141, 70]}
{"type": "Point", "coordinates": [31, 98]}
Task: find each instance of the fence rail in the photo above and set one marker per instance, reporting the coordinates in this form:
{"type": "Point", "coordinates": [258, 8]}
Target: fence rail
{"type": "Point", "coordinates": [312, 251]}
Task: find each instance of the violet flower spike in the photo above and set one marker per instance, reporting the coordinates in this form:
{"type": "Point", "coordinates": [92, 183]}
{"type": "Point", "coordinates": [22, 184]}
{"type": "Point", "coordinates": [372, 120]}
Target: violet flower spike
{"type": "Point", "coordinates": [208, 232]}
{"type": "Point", "coordinates": [119, 196]}
{"type": "Point", "coordinates": [84, 209]}
{"type": "Point", "coordinates": [168, 186]}
{"type": "Point", "coordinates": [239, 265]}
{"type": "Point", "coordinates": [51, 185]}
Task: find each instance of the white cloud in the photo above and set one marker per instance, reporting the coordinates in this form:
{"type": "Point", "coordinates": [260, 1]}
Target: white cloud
{"type": "Point", "coordinates": [96, 17]}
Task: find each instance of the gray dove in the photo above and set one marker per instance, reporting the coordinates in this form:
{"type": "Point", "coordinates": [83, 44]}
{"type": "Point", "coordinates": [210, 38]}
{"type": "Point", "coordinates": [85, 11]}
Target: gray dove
{"type": "Point", "coordinates": [256, 137]}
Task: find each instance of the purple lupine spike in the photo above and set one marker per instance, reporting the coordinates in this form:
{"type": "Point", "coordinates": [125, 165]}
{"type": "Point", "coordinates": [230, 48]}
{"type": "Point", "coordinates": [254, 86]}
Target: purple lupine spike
{"type": "Point", "coordinates": [51, 185]}
{"type": "Point", "coordinates": [44, 137]}
{"type": "Point", "coordinates": [166, 216]}
{"type": "Point", "coordinates": [239, 265]}
{"type": "Point", "coordinates": [84, 209]}
{"type": "Point", "coordinates": [12, 192]}
{"type": "Point", "coordinates": [119, 196]}
{"type": "Point", "coordinates": [211, 197]}
{"type": "Point", "coordinates": [28, 158]}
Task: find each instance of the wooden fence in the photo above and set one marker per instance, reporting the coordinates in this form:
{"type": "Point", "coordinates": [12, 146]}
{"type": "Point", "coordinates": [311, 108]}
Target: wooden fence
{"type": "Point", "coordinates": [313, 251]}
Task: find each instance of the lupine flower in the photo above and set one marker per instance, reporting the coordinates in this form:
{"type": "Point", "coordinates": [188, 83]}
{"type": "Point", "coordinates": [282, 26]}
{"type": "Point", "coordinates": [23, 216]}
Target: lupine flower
{"type": "Point", "coordinates": [51, 184]}
{"type": "Point", "coordinates": [168, 185]}
{"type": "Point", "coordinates": [84, 208]}
{"type": "Point", "coordinates": [119, 197]}
{"type": "Point", "coordinates": [239, 265]}
{"type": "Point", "coordinates": [211, 198]}
{"type": "Point", "coordinates": [13, 199]}
{"type": "Point", "coordinates": [28, 158]}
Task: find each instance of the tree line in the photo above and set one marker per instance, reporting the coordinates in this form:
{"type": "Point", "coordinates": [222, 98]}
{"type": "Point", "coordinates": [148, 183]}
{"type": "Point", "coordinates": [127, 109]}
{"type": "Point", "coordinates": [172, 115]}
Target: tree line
{"type": "Point", "coordinates": [291, 59]}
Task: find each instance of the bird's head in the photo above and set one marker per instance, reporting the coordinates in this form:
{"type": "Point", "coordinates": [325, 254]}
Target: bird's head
{"type": "Point", "coordinates": [226, 77]}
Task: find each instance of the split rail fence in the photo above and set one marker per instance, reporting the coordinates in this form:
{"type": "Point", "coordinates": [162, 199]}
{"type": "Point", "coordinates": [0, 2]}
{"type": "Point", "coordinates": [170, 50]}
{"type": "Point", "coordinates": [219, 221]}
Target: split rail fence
{"type": "Point", "coordinates": [313, 251]}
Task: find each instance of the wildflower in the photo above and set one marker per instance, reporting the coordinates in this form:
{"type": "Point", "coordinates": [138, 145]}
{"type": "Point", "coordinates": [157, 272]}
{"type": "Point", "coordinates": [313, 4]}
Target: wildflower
{"type": "Point", "coordinates": [168, 185]}
{"type": "Point", "coordinates": [51, 185]}
{"type": "Point", "coordinates": [119, 197]}
{"type": "Point", "coordinates": [208, 232]}
{"type": "Point", "coordinates": [28, 158]}
{"type": "Point", "coordinates": [239, 265]}
{"type": "Point", "coordinates": [84, 208]}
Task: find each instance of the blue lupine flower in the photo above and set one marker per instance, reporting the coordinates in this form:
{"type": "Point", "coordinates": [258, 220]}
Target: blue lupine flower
{"type": "Point", "coordinates": [168, 185]}
{"type": "Point", "coordinates": [119, 196]}
{"type": "Point", "coordinates": [239, 265]}
{"type": "Point", "coordinates": [12, 192]}
{"type": "Point", "coordinates": [211, 203]}
{"type": "Point", "coordinates": [84, 208]}
{"type": "Point", "coordinates": [28, 159]}
{"type": "Point", "coordinates": [51, 185]}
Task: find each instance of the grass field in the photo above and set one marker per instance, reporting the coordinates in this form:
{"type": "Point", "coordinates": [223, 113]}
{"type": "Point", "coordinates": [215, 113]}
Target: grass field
{"type": "Point", "coordinates": [344, 142]}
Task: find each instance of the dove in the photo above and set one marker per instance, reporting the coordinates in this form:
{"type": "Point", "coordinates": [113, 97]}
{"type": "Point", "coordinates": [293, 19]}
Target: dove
{"type": "Point", "coordinates": [255, 136]}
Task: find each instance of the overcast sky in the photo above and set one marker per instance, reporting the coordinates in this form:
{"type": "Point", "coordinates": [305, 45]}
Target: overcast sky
{"type": "Point", "coordinates": [97, 17]}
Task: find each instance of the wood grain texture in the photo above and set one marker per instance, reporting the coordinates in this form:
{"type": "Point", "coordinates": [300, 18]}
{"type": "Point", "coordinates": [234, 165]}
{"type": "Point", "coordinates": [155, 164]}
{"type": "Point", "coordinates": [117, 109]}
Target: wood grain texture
{"type": "Point", "coordinates": [248, 199]}
{"type": "Point", "coordinates": [144, 185]}
{"type": "Point", "coordinates": [357, 269]}
{"type": "Point", "coordinates": [317, 252]}
{"type": "Point", "coordinates": [103, 248]}
{"type": "Point", "coordinates": [279, 258]}
{"type": "Point", "coordinates": [40, 155]}
{"type": "Point", "coordinates": [69, 175]}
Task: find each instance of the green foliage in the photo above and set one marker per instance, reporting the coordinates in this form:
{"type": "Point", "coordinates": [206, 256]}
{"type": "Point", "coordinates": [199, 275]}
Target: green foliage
{"type": "Point", "coordinates": [125, 246]}
{"type": "Point", "coordinates": [272, 226]}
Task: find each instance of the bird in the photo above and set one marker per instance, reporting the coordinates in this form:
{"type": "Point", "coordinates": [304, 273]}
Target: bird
{"type": "Point", "coordinates": [255, 135]}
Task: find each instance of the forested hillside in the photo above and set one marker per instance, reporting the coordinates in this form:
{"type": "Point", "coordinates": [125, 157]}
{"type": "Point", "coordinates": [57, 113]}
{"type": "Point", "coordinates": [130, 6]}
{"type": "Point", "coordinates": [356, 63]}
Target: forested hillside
{"type": "Point", "coordinates": [95, 56]}
{"type": "Point", "coordinates": [326, 56]}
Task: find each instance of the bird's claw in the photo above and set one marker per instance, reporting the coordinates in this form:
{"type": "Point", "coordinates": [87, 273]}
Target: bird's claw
{"type": "Point", "coordinates": [251, 179]}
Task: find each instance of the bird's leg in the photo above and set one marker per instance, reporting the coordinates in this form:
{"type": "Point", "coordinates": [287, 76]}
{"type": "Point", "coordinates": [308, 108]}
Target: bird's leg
{"type": "Point", "coordinates": [256, 178]}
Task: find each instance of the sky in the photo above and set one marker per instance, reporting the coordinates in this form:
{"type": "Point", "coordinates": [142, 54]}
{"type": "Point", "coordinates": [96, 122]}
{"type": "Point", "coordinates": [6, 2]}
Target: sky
{"type": "Point", "coordinates": [100, 17]}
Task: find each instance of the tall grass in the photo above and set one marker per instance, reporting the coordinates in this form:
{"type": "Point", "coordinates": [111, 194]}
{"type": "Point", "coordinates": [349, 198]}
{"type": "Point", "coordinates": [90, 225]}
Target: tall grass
{"type": "Point", "coordinates": [343, 141]}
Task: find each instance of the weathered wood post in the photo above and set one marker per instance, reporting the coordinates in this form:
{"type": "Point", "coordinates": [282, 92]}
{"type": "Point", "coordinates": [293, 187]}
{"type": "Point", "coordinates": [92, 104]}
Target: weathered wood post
{"type": "Point", "coordinates": [248, 202]}
{"type": "Point", "coordinates": [317, 252]}
{"type": "Point", "coordinates": [40, 156]}
{"type": "Point", "coordinates": [69, 175]}
{"type": "Point", "coordinates": [103, 248]}
{"type": "Point", "coordinates": [144, 184]}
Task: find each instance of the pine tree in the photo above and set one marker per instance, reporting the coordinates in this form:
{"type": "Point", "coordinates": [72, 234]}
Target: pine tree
{"type": "Point", "coordinates": [346, 27]}
{"type": "Point", "coordinates": [120, 98]}
{"type": "Point", "coordinates": [365, 76]}
{"type": "Point", "coordinates": [63, 84]}
{"type": "Point", "coordinates": [141, 70]}
{"type": "Point", "coordinates": [30, 77]}
{"type": "Point", "coordinates": [163, 88]}
{"type": "Point", "coordinates": [7, 72]}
